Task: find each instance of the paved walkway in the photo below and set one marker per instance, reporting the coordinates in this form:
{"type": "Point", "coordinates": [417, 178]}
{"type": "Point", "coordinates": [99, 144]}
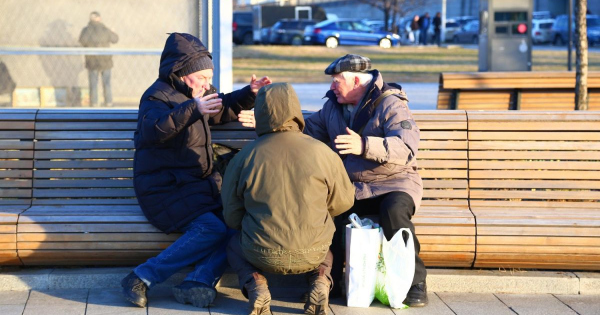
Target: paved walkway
{"type": "Point", "coordinates": [94, 291]}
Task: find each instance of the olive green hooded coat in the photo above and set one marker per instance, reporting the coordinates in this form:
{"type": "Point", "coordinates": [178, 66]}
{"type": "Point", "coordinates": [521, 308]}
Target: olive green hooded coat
{"type": "Point", "coordinates": [283, 189]}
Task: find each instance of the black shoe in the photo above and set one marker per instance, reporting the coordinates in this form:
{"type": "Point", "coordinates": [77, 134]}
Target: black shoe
{"type": "Point", "coordinates": [417, 295]}
{"type": "Point", "coordinates": [195, 293]}
{"type": "Point", "coordinates": [134, 289]}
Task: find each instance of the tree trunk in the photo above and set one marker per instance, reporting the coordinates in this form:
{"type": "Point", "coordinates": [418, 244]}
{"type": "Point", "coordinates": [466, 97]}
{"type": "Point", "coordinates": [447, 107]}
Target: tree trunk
{"type": "Point", "coordinates": [581, 56]}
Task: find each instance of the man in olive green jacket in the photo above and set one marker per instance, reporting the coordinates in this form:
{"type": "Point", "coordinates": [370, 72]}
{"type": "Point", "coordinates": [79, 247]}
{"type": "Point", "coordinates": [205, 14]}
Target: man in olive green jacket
{"type": "Point", "coordinates": [281, 192]}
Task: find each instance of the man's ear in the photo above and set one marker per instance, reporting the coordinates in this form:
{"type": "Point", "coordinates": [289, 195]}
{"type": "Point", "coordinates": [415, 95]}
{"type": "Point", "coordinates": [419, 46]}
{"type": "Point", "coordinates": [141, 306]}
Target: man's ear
{"type": "Point", "coordinates": [356, 81]}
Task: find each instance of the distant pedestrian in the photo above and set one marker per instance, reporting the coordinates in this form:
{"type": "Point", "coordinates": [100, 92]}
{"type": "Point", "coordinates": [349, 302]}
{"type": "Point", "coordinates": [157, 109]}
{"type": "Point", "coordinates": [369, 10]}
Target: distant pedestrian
{"type": "Point", "coordinates": [414, 30]}
{"type": "Point", "coordinates": [437, 29]}
{"type": "Point", "coordinates": [96, 34]}
{"type": "Point", "coordinates": [424, 23]}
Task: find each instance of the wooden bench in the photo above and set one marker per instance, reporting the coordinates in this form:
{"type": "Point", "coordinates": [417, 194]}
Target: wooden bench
{"type": "Point", "coordinates": [16, 165]}
{"type": "Point", "coordinates": [540, 90]}
{"type": "Point", "coordinates": [534, 182]}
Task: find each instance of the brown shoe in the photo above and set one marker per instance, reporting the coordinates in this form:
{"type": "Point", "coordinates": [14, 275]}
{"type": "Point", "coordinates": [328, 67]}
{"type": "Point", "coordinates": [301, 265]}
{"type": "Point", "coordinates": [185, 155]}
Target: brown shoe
{"type": "Point", "coordinates": [318, 297]}
{"type": "Point", "coordinates": [258, 295]}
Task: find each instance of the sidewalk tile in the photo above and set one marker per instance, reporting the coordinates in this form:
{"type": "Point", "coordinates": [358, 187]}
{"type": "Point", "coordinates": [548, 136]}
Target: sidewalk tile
{"type": "Point", "coordinates": [229, 301]}
{"type": "Point", "coordinates": [12, 309]}
{"type": "Point", "coordinates": [529, 304]}
{"type": "Point", "coordinates": [435, 307]}
{"type": "Point", "coordinates": [110, 302]}
{"type": "Point", "coordinates": [162, 302]}
{"type": "Point", "coordinates": [13, 297]}
{"type": "Point", "coordinates": [57, 302]}
{"type": "Point", "coordinates": [474, 303]}
{"type": "Point", "coordinates": [25, 279]}
{"type": "Point", "coordinates": [582, 304]}
{"type": "Point", "coordinates": [338, 306]}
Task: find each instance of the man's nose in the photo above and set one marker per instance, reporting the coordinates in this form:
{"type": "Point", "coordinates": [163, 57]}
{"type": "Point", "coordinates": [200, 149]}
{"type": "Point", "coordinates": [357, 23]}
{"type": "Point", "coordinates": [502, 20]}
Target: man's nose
{"type": "Point", "coordinates": [332, 86]}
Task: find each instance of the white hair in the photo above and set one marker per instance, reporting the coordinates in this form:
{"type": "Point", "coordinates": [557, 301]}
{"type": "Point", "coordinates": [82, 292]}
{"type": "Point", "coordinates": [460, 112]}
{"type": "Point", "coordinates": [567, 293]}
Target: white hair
{"type": "Point", "coordinates": [364, 78]}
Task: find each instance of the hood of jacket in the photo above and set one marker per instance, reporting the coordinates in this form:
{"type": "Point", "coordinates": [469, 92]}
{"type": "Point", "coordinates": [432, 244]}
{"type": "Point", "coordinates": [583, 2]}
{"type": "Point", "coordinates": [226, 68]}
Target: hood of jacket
{"type": "Point", "coordinates": [179, 49]}
{"type": "Point", "coordinates": [277, 108]}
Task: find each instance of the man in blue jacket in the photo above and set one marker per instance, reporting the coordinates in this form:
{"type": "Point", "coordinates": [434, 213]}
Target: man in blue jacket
{"type": "Point", "coordinates": [174, 180]}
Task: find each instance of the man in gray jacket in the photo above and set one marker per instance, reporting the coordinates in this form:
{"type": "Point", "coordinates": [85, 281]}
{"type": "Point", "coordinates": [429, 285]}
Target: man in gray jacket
{"type": "Point", "coordinates": [367, 122]}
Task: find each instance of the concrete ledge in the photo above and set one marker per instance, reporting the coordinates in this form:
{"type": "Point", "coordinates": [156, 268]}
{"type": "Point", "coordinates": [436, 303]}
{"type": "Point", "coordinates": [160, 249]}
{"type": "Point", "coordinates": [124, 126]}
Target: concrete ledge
{"type": "Point", "coordinates": [438, 280]}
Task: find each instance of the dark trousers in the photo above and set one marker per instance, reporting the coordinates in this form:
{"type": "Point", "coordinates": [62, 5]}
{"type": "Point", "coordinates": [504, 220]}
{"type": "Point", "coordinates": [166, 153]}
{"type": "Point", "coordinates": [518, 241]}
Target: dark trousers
{"type": "Point", "coordinates": [244, 269]}
{"type": "Point", "coordinates": [395, 210]}
{"type": "Point", "coordinates": [93, 81]}
{"type": "Point", "coordinates": [437, 37]}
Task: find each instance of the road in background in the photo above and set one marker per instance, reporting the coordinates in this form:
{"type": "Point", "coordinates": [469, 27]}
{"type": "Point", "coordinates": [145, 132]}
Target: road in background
{"type": "Point", "coordinates": [420, 95]}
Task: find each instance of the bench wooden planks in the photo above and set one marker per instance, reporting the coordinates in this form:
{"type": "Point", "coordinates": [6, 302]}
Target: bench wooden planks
{"type": "Point", "coordinates": [16, 164]}
{"type": "Point", "coordinates": [84, 208]}
{"type": "Point", "coordinates": [534, 182]}
{"type": "Point", "coordinates": [526, 90]}
{"type": "Point", "coordinates": [444, 224]}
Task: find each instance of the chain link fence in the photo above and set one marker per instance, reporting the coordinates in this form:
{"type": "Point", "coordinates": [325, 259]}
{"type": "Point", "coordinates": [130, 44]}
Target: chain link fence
{"type": "Point", "coordinates": [42, 62]}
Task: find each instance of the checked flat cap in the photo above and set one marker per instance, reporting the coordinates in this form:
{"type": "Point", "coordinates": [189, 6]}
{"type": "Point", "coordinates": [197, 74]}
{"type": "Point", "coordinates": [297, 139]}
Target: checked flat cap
{"type": "Point", "coordinates": [351, 63]}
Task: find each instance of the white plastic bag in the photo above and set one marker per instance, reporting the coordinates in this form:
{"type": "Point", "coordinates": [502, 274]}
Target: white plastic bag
{"type": "Point", "coordinates": [396, 268]}
{"type": "Point", "coordinates": [362, 248]}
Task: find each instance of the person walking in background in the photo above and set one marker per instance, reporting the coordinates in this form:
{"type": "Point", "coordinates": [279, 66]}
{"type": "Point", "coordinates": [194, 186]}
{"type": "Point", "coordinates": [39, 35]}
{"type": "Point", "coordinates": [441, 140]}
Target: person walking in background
{"type": "Point", "coordinates": [415, 32]}
{"type": "Point", "coordinates": [281, 192]}
{"type": "Point", "coordinates": [437, 29]}
{"type": "Point", "coordinates": [173, 175]}
{"type": "Point", "coordinates": [424, 23]}
{"type": "Point", "coordinates": [96, 34]}
{"type": "Point", "coordinates": [367, 121]}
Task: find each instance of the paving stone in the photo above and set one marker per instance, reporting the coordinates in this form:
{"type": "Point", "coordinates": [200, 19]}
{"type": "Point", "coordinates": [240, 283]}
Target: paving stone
{"type": "Point", "coordinates": [25, 279]}
{"type": "Point", "coordinates": [539, 304]}
{"type": "Point", "coordinates": [13, 309]}
{"type": "Point", "coordinates": [13, 297]}
{"type": "Point", "coordinates": [474, 303]}
{"type": "Point", "coordinates": [287, 306]}
{"type": "Point", "coordinates": [582, 304]}
{"type": "Point", "coordinates": [110, 301]}
{"type": "Point", "coordinates": [589, 282]}
{"type": "Point", "coordinates": [56, 302]}
{"type": "Point", "coordinates": [338, 306]}
{"type": "Point", "coordinates": [435, 307]}
{"type": "Point", "coordinates": [229, 301]}
{"type": "Point", "coordinates": [72, 278]}
{"type": "Point", "coordinates": [162, 302]}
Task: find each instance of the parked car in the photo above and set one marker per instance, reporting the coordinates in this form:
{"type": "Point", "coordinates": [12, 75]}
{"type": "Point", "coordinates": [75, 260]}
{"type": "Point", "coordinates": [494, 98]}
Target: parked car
{"type": "Point", "coordinates": [560, 29]}
{"type": "Point", "coordinates": [541, 31]}
{"type": "Point", "coordinates": [332, 33]}
{"type": "Point", "coordinates": [467, 34]}
{"type": "Point", "coordinates": [289, 31]}
{"type": "Point", "coordinates": [541, 15]}
{"type": "Point", "coordinates": [242, 28]}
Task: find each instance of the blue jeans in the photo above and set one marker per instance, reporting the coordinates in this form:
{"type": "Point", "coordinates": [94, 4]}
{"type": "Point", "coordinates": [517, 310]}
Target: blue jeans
{"type": "Point", "coordinates": [93, 81]}
{"type": "Point", "coordinates": [203, 243]}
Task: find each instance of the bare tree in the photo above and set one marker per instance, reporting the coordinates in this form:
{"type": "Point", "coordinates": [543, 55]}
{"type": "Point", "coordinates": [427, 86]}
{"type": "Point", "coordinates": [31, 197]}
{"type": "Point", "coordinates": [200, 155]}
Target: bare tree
{"type": "Point", "coordinates": [581, 56]}
{"type": "Point", "coordinates": [393, 8]}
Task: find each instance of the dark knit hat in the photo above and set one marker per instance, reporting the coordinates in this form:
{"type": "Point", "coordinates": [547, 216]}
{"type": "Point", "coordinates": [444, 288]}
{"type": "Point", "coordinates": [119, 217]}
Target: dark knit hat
{"type": "Point", "coordinates": [352, 63]}
{"type": "Point", "coordinates": [196, 64]}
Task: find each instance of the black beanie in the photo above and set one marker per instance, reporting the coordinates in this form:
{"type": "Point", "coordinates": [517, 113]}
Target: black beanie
{"type": "Point", "coordinates": [197, 64]}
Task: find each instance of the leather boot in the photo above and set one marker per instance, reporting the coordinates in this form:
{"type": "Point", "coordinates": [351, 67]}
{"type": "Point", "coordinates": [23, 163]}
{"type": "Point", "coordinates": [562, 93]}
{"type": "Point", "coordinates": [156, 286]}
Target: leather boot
{"type": "Point", "coordinates": [318, 296]}
{"type": "Point", "coordinates": [134, 289]}
{"type": "Point", "coordinates": [259, 296]}
{"type": "Point", "coordinates": [417, 295]}
{"type": "Point", "coordinates": [195, 293]}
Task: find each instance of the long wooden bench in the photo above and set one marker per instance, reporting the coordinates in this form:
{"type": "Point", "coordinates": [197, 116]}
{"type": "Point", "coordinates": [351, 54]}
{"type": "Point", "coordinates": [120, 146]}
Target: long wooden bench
{"type": "Point", "coordinates": [502, 189]}
{"type": "Point", "coordinates": [540, 90]}
{"type": "Point", "coordinates": [534, 183]}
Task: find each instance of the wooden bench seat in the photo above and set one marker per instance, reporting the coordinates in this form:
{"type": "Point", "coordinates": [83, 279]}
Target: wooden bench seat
{"type": "Point", "coordinates": [526, 90]}
{"type": "Point", "coordinates": [16, 165]}
{"type": "Point", "coordinates": [534, 181]}
{"type": "Point", "coordinates": [444, 224]}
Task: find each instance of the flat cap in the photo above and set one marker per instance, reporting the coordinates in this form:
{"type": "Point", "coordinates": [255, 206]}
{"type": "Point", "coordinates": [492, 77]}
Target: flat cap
{"type": "Point", "coordinates": [352, 63]}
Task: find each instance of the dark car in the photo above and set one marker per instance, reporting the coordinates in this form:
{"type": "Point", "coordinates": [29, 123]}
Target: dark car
{"type": "Point", "coordinates": [242, 28]}
{"type": "Point", "coordinates": [560, 35]}
{"type": "Point", "coordinates": [467, 34]}
{"type": "Point", "coordinates": [332, 33]}
{"type": "Point", "coordinates": [289, 31]}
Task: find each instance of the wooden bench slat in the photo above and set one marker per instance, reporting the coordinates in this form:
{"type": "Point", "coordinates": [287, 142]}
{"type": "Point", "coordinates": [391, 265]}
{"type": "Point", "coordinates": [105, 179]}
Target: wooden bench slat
{"type": "Point", "coordinates": [441, 155]}
{"type": "Point", "coordinates": [82, 145]}
{"type": "Point", "coordinates": [26, 219]}
{"type": "Point", "coordinates": [96, 237]}
{"type": "Point", "coordinates": [84, 201]}
{"type": "Point", "coordinates": [18, 134]}
{"type": "Point", "coordinates": [537, 240]}
{"type": "Point", "coordinates": [89, 228]}
{"type": "Point", "coordinates": [534, 145]}
{"type": "Point", "coordinates": [75, 183]}
{"type": "Point", "coordinates": [427, 173]}
{"type": "Point", "coordinates": [83, 135]}
{"type": "Point", "coordinates": [565, 231]}
{"type": "Point", "coordinates": [534, 136]}
{"type": "Point", "coordinates": [75, 164]}
{"type": "Point", "coordinates": [532, 155]}
{"type": "Point", "coordinates": [507, 174]}
{"type": "Point", "coordinates": [46, 155]}
{"type": "Point", "coordinates": [554, 184]}
{"type": "Point", "coordinates": [16, 183]}
{"type": "Point", "coordinates": [22, 154]}
{"type": "Point", "coordinates": [133, 246]}
{"type": "Point", "coordinates": [16, 173]}
{"type": "Point", "coordinates": [535, 165]}
{"type": "Point", "coordinates": [535, 125]}
{"type": "Point", "coordinates": [429, 184]}
{"type": "Point", "coordinates": [83, 173]}
{"type": "Point", "coordinates": [16, 145]}
{"type": "Point", "coordinates": [88, 125]}
{"type": "Point", "coordinates": [80, 193]}
{"type": "Point", "coordinates": [455, 193]}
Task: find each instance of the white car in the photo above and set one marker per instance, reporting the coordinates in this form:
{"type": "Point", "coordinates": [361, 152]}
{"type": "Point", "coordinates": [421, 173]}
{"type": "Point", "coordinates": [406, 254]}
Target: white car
{"type": "Point", "coordinates": [541, 31]}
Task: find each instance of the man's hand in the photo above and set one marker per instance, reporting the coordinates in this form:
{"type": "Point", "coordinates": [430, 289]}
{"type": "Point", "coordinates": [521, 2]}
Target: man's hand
{"type": "Point", "coordinates": [350, 143]}
{"type": "Point", "coordinates": [209, 104]}
{"type": "Point", "coordinates": [246, 117]}
{"type": "Point", "coordinates": [255, 84]}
